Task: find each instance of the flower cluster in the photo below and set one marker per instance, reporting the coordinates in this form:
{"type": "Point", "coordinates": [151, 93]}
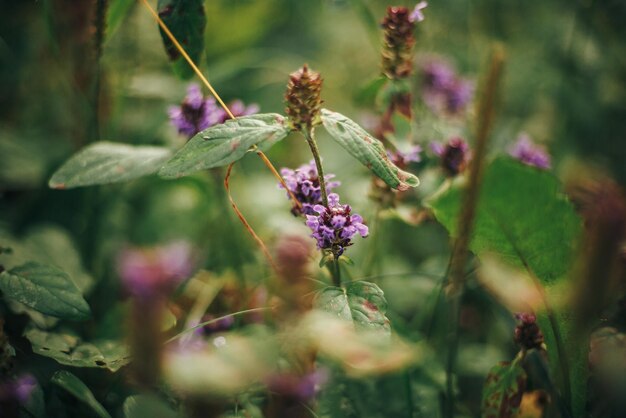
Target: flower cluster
{"type": "Point", "coordinates": [304, 183]}
{"type": "Point", "coordinates": [148, 272]}
{"type": "Point", "coordinates": [454, 155]}
{"type": "Point", "coordinates": [529, 153]}
{"type": "Point", "coordinates": [443, 90]}
{"type": "Point", "coordinates": [197, 113]}
{"type": "Point", "coordinates": [403, 159]}
{"type": "Point", "coordinates": [398, 27]}
{"type": "Point", "coordinates": [303, 98]}
{"type": "Point", "coordinates": [527, 332]}
{"type": "Point", "coordinates": [334, 226]}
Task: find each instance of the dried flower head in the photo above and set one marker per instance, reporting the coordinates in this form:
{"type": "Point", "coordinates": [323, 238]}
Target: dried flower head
{"type": "Point", "coordinates": [148, 272]}
{"type": "Point", "coordinates": [397, 53]}
{"type": "Point", "coordinates": [527, 332]}
{"type": "Point", "coordinates": [304, 183]}
{"type": "Point", "coordinates": [529, 153]}
{"type": "Point", "coordinates": [334, 226]}
{"type": "Point", "coordinates": [454, 155]}
{"type": "Point", "coordinates": [303, 98]}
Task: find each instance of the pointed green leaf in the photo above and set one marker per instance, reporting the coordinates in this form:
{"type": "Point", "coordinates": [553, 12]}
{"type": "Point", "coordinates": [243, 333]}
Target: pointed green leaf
{"type": "Point", "coordinates": [70, 350]}
{"type": "Point", "coordinates": [367, 149]}
{"type": "Point", "coordinates": [108, 162]}
{"type": "Point", "coordinates": [79, 390]}
{"type": "Point", "coordinates": [503, 390]}
{"type": "Point", "coordinates": [46, 289]}
{"type": "Point", "coordinates": [361, 303]}
{"type": "Point", "coordinates": [222, 144]}
{"type": "Point", "coordinates": [140, 406]}
{"type": "Point", "coordinates": [186, 20]}
{"type": "Point", "coordinates": [522, 216]}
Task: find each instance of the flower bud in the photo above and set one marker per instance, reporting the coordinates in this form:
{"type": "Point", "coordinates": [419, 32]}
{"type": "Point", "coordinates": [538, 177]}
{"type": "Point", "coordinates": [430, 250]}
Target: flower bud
{"type": "Point", "coordinates": [303, 98]}
{"type": "Point", "coordinates": [397, 53]}
{"type": "Point", "coordinates": [527, 332]}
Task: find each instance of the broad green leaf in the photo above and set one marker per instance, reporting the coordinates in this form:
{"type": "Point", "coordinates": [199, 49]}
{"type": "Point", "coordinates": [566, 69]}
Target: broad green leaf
{"type": "Point", "coordinates": [522, 216]}
{"type": "Point", "coordinates": [361, 303]}
{"type": "Point", "coordinates": [222, 144]}
{"type": "Point", "coordinates": [79, 390]}
{"type": "Point", "coordinates": [503, 390]}
{"type": "Point", "coordinates": [367, 149]}
{"type": "Point", "coordinates": [108, 162]}
{"type": "Point", "coordinates": [70, 350]}
{"type": "Point", "coordinates": [140, 406]}
{"type": "Point", "coordinates": [46, 289]}
{"type": "Point", "coordinates": [186, 20]}
{"type": "Point", "coordinates": [117, 11]}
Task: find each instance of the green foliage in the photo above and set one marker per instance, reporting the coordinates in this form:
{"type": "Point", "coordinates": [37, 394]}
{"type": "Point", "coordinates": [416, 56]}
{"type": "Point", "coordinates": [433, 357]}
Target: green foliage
{"type": "Point", "coordinates": [108, 162]}
{"type": "Point", "coordinates": [367, 149]}
{"type": "Point", "coordinates": [68, 349]}
{"type": "Point", "coordinates": [140, 406]}
{"type": "Point", "coordinates": [118, 10]}
{"type": "Point", "coordinates": [362, 303]}
{"type": "Point", "coordinates": [522, 216]}
{"type": "Point", "coordinates": [79, 390]}
{"type": "Point", "coordinates": [225, 143]}
{"type": "Point", "coordinates": [503, 390]}
{"type": "Point", "coordinates": [47, 289]}
{"type": "Point", "coordinates": [186, 20]}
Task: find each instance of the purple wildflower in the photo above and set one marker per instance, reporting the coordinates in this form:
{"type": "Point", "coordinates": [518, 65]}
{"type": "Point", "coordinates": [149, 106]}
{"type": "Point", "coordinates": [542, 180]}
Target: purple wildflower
{"type": "Point", "coordinates": [16, 392]}
{"type": "Point", "coordinates": [443, 90]}
{"type": "Point", "coordinates": [334, 226]}
{"type": "Point", "coordinates": [152, 271]}
{"type": "Point", "coordinates": [304, 183]}
{"type": "Point", "coordinates": [302, 388]}
{"type": "Point", "coordinates": [454, 155]}
{"type": "Point", "coordinates": [417, 15]}
{"type": "Point", "coordinates": [529, 153]}
{"type": "Point", "coordinates": [458, 96]}
{"type": "Point", "coordinates": [237, 108]}
{"type": "Point", "coordinates": [402, 159]}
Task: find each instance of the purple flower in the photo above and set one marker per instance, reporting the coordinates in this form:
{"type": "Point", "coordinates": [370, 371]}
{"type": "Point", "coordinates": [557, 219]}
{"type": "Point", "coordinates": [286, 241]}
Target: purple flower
{"type": "Point", "coordinates": [148, 272]}
{"type": "Point", "coordinates": [304, 183]}
{"type": "Point", "coordinates": [417, 15]}
{"type": "Point", "coordinates": [458, 95]}
{"type": "Point", "coordinates": [529, 153]}
{"type": "Point", "coordinates": [197, 113]}
{"type": "Point", "coordinates": [302, 388]}
{"type": "Point", "coordinates": [443, 90]}
{"type": "Point", "coordinates": [17, 392]}
{"type": "Point", "coordinates": [402, 159]}
{"type": "Point", "coordinates": [453, 156]}
{"type": "Point", "coordinates": [334, 226]}
{"type": "Point", "coordinates": [220, 325]}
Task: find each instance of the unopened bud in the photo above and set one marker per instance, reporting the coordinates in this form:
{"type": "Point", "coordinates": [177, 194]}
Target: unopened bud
{"type": "Point", "coordinates": [303, 98]}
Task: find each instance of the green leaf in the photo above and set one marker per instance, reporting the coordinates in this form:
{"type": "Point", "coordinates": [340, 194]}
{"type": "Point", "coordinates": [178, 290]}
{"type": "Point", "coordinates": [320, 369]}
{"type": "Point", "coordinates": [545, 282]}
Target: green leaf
{"type": "Point", "coordinates": [79, 390]}
{"type": "Point", "coordinates": [361, 303]}
{"type": "Point", "coordinates": [522, 216]}
{"type": "Point", "coordinates": [140, 406]}
{"type": "Point", "coordinates": [367, 149]}
{"type": "Point", "coordinates": [222, 144]}
{"type": "Point", "coordinates": [503, 390]}
{"type": "Point", "coordinates": [118, 10]}
{"type": "Point", "coordinates": [70, 350]}
{"type": "Point", "coordinates": [46, 289]}
{"type": "Point", "coordinates": [186, 20]}
{"type": "Point", "coordinates": [108, 162]}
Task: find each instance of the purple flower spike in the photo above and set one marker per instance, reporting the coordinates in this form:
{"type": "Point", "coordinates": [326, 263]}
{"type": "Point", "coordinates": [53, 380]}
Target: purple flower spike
{"type": "Point", "coordinates": [334, 227]}
{"type": "Point", "coordinates": [304, 183]}
{"type": "Point", "coordinates": [417, 15]}
{"type": "Point", "coordinates": [454, 155]}
{"type": "Point", "coordinates": [529, 153]}
{"type": "Point", "coordinates": [155, 271]}
{"type": "Point", "coordinates": [443, 91]}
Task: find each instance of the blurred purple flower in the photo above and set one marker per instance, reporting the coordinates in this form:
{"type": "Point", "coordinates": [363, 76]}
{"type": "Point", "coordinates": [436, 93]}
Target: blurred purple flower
{"type": "Point", "coordinates": [147, 272]}
{"type": "Point", "coordinates": [220, 325]}
{"type": "Point", "coordinates": [302, 388]}
{"type": "Point", "coordinates": [417, 15]}
{"type": "Point", "coordinates": [197, 113]}
{"type": "Point", "coordinates": [458, 96]}
{"type": "Point", "coordinates": [453, 156]}
{"type": "Point", "coordinates": [402, 159]}
{"type": "Point", "coordinates": [304, 183]}
{"type": "Point", "coordinates": [529, 153]}
{"type": "Point", "coordinates": [17, 391]}
{"type": "Point", "coordinates": [443, 90]}
{"type": "Point", "coordinates": [334, 227]}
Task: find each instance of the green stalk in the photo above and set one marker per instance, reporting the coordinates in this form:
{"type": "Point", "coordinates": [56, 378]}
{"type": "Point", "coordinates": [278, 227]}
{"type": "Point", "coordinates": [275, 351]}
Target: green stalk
{"type": "Point", "coordinates": [310, 139]}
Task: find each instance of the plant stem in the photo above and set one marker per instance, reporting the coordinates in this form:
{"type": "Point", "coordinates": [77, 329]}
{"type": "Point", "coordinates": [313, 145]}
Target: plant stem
{"type": "Point", "coordinates": [310, 139]}
{"type": "Point", "coordinates": [335, 271]}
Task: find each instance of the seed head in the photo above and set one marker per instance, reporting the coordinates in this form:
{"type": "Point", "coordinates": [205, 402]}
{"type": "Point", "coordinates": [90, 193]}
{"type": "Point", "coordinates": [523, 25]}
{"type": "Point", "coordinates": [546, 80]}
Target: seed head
{"type": "Point", "coordinates": [303, 98]}
{"type": "Point", "coordinates": [527, 332]}
{"type": "Point", "coordinates": [397, 53]}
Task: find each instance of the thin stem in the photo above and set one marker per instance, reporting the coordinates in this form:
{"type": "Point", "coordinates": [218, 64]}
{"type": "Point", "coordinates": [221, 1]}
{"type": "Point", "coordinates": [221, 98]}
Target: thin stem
{"type": "Point", "coordinates": [310, 139]}
{"type": "Point", "coordinates": [336, 272]}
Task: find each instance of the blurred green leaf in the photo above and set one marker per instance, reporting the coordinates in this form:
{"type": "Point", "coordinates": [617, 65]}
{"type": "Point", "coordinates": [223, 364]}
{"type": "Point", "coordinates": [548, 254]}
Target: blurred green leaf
{"type": "Point", "coordinates": [361, 303]}
{"type": "Point", "coordinates": [46, 289]}
{"type": "Point", "coordinates": [503, 390]}
{"type": "Point", "coordinates": [117, 12]}
{"type": "Point", "coordinates": [70, 350]}
{"type": "Point", "coordinates": [78, 389]}
{"type": "Point", "coordinates": [186, 20]}
{"type": "Point", "coordinates": [108, 162]}
{"type": "Point", "coordinates": [367, 149]}
{"type": "Point", "coordinates": [366, 95]}
{"type": "Point", "coordinates": [222, 144]}
{"type": "Point", "coordinates": [522, 216]}
{"type": "Point", "coordinates": [140, 406]}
